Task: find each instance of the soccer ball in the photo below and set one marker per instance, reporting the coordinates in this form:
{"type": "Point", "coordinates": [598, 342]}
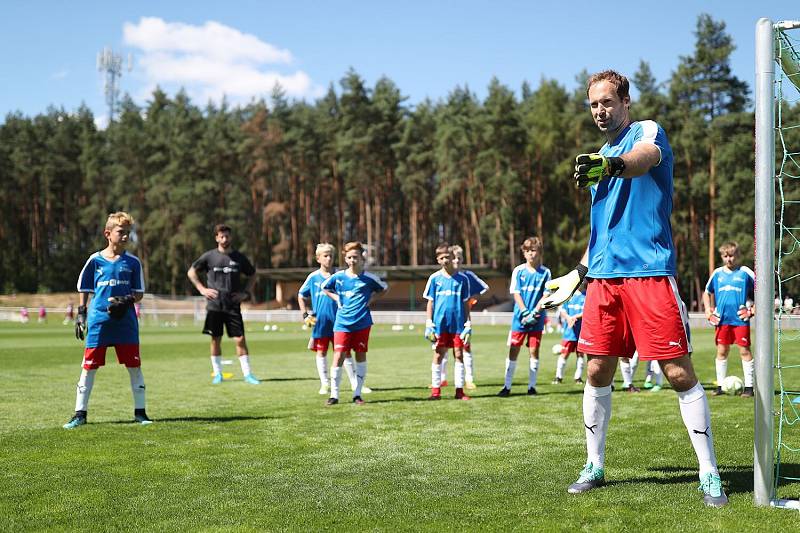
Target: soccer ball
{"type": "Point", "coordinates": [732, 385]}
{"type": "Point", "coordinates": [556, 349]}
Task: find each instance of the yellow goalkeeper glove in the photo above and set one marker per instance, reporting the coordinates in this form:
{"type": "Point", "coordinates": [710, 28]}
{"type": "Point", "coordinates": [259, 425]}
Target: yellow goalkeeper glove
{"type": "Point", "coordinates": [562, 288]}
{"type": "Point", "coordinates": [591, 169]}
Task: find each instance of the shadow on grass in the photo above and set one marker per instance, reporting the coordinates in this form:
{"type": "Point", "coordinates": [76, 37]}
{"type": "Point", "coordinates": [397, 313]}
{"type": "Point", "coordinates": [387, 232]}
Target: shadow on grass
{"type": "Point", "coordinates": [206, 419]}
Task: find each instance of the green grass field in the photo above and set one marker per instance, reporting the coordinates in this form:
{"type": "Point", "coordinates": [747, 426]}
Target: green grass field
{"type": "Point", "coordinates": [273, 457]}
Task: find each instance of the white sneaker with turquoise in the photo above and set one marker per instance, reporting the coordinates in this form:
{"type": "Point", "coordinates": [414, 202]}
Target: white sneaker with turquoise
{"type": "Point", "coordinates": [217, 379]}
{"type": "Point", "coordinates": [251, 379]}
{"type": "Point", "coordinates": [711, 487]}
{"type": "Point", "coordinates": [589, 478]}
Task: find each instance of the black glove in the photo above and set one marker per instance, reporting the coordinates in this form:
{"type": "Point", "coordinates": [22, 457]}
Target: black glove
{"type": "Point", "coordinates": [118, 305]}
{"type": "Point", "coordinates": [80, 323]}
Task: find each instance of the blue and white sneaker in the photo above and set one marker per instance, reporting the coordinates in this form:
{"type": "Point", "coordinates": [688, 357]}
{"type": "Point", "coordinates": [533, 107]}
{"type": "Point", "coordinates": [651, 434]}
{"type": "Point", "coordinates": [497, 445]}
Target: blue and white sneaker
{"type": "Point", "coordinates": [589, 478]}
{"type": "Point", "coordinates": [711, 487]}
{"type": "Point", "coordinates": [78, 419]}
{"type": "Point", "coordinates": [217, 379]}
{"type": "Point", "coordinates": [251, 379]}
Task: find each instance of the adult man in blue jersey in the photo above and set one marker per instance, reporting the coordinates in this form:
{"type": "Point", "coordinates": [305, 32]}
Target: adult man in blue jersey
{"type": "Point", "coordinates": [632, 300]}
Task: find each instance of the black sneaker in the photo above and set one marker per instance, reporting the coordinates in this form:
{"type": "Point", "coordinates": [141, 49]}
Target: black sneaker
{"type": "Point", "coordinates": [579, 380]}
{"type": "Point", "coordinates": [747, 392]}
{"type": "Point", "coordinates": [532, 391]}
{"type": "Point", "coordinates": [630, 388]}
{"type": "Point", "coordinates": [78, 419]}
{"type": "Point", "coordinates": [556, 381]}
{"type": "Point", "coordinates": [140, 417]}
{"type": "Point", "coordinates": [332, 401]}
{"type": "Point", "coordinates": [357, 400]}
{"type": "Point", "coordinates": [504, 393]}
{"type": "Point", "coordinates": [717, 392]}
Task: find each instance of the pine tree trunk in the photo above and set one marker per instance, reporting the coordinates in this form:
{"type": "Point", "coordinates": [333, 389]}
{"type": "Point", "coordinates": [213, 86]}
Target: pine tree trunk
{"type": "Point", "coordinates": [712, 214]}
{"type": "Point", "coordinates": [412, 222]}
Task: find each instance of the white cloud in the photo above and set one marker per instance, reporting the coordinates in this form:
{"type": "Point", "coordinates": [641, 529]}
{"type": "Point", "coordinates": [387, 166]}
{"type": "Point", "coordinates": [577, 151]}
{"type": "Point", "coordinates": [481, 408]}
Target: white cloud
{"type": "Point", "coordinates": [212, 61]}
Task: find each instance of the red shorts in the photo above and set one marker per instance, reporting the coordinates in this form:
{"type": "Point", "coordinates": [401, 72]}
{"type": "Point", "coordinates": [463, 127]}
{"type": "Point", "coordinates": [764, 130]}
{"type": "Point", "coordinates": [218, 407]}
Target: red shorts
{"type": "Point", "coordinates": [623, 315]}
{"type": "Point", "coordinates": [344, 341]}
{"type": "Point", "coordinates": [320, 344]}
{"type": "Point", "coordinates": [567, 347]}
{"type": "Point", "coordinates": [517, 338]}
{"type": "Point", "coordinates": [727, 335]}
{"type": "Point", "coordinates": [449, 340]}
{"type": "Point", "coordinates": [127, 354]}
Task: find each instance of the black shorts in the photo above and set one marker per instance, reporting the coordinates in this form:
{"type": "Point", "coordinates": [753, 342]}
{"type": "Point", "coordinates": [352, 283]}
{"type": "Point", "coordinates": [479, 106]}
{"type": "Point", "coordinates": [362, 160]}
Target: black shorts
{"type": "Point", "coordinates": [231, 319]}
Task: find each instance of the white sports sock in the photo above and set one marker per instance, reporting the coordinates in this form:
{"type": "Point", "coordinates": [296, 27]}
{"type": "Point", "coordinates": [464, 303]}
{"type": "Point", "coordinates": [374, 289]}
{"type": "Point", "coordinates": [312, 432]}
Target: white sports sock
{"type": "Point", "coordinates": [596, 414]}
{"type": "Point", "coordinates": [137, 387]}
{"type": "Point", "coordinates": [697, 419]}
{"type": "Point", "coordinates": [336, 378]}
{"type": "Point", "coordinates": [216, 364]}
{"type": "Point", "coordinates": [85, 384]}
{"type": "Point", "coordinates": [722, 370]}
{"type": "Point", "coordinates": [322, 370]}
{"type": "Point", "coordinates": [436, 375]}
{"type": "Point", "coordinates": [349, 368]}
{"type": "Point", "coordinates": [444, 366]}
{"type": "Point", "coordinates": [634, 365]}
{"type": "Point", "coordinates": [562, 362]}
{"type": "Point", "coordinates": [511, 366]}
{"type": "Point", "coordinates": [625, 369]}
{"type": "Point", "coordinates": [244, 362]}
{"type": "Point", "coordinates": [361, 375]}
{"type": "Point", "coordinates": [579, 367]}
{"type": "Point", "coordinates": [658, 375]}
{"type": "Point", "coordinates": [458, 374]}
{"type": "Point", "coordinates": [469, 367]}
{"type": "Point", "coordinates": [747, 368]}
{"type": "Point", "coordinates": [533, 371]}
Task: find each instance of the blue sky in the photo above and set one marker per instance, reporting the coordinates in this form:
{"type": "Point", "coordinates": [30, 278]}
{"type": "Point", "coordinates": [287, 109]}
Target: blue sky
{"type": "Point", "coordinates": [48, 49]}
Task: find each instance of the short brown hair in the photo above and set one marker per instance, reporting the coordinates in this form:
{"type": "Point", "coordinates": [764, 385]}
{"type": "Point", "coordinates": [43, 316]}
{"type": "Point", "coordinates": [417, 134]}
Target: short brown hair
{"type": "Point", "coordinates": [120, 218]}
{"type": "Point", "coordinates": [220, 228]}
{"type": "Point", "coordinates": [531, 243]}
{"type": "Point", "coordinates": [353, 245]}
{"type": "Point", "coordinates": [443, 248]}
{"type": "Point", "coordinates": [729, 248]}
{"type": "Point", "coordinates": [616, 79]}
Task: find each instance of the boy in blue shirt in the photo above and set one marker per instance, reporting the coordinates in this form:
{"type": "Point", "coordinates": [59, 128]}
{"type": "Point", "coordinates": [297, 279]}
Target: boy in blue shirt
{"type": "Point", "coordinates": [527, 288]}
{"type": "Point", "coordinates": [115, 279]}
{"type": "Point", "coordinates": [728, 305]}
{"type": "Point", "coordinates": [571, 313]}
{"type": "Point", "coordinates": [352, 290]}
{"type": "Point", "coordinates": [476, 287]}
{"type": "Point", "coordinates": [448, 325]}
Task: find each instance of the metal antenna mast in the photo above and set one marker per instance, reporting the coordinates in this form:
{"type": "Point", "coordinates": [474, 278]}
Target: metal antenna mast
{"type": "Point", "coordinates": [111, 65]}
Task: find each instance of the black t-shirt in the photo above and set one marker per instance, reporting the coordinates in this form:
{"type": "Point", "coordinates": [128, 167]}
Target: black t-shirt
{"type": "Point", "coordinates": [223, 274]}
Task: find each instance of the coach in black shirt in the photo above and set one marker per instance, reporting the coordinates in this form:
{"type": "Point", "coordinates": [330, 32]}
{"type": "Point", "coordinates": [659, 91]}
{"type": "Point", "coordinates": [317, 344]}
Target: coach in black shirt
{"type": "Point", "coordinates": [223, 290]}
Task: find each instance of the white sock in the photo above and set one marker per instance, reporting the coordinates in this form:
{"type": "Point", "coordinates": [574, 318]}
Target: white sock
{"type": "Point", "coordinates": [459, 374]}
{"type": "Point", "coordinates": [657, 373]}
{"type": "Point", "coordinates": [511, 366]}
{"type": "Point", "coordinates": [634, 365]}
{"type": "Point", "coordinates": [244, 362]}
{"type": "Point", "coordinates": [722, 370]}
{"type": "Point", "coordinates": [436, 375]}
{"type": "Point", "coordinates": [579, 367]}
{"type": "Point", "coordinates": [596, 414]}
{"type": "Point", "coordinates": [748, 368]}
{"type": "Point", "coordinates": [562, 362]}
{"type": "Point", "coordinates": [85, 384]}
{"type": "Point", "coordinates": [322, 370]}
{"type": "Point", "coordinates": [216, 364]}
{"type": "Point", "coordinates": [444, 366]}
{"type": "Point", "coordinates": [625, 369]}
{"type": "Point", "coordinates": [361, 375]}
{"type": "Point", "coordinates": [697, 419]}
{"type": "Point", "coordinates": [469, 367]}
{"type": "Point", "coordinates": [336, 378]}
{"type": "Point", "coordinates": [533, 371]}
{"type": "Point", "coordinates": [137, 387]}
{"type": "Point", "coordinates": [349, 368]}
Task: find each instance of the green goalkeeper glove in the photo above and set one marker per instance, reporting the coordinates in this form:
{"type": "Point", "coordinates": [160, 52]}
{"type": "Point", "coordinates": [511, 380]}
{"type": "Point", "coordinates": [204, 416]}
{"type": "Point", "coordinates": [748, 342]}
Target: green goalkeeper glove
{"type": "Point", "coordinates": [591, 169]}
{"type": "Point", "coordinates": [564, 287]}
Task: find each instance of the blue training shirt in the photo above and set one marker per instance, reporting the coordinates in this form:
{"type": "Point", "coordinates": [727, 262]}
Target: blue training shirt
{"type": "Point", "coordinates": [324, 307]}
{"type": "Point", "coordinates": [354, 295]}
{"type": "Point", "coordinates": [731, 288]}
{"type": "Point", "coordinates": [449, 295]}
{"type": "Point", "coordinates": [630, 218]}
{"type": "Point", "coordinates": [573, 306]}
{"type": "Point", "coordinates": [106, 278]}
{"type": "Point", "coordinates": [476, 285]}
{"type": "Point", "coordinates": [529, 284]}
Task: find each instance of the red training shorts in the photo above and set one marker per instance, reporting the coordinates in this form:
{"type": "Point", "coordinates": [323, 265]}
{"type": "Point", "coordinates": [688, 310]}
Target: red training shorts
{"type": "Point", "coordinates": [567, 347]}
{"type": "Point", "coordinates": [623, 315]}
{"type": "Point", "coordinates": [127, 354]}
{"type": "Point", "coordinates": [320, 344]}
{"type": "Point", "coordinates": [727, 335]}
{"type": "Point", "coordinates": [449, 340]}
{"type": "Point", "coordinates": [517, 338]}
{"type": "Point", "coordinates": [358, 341]}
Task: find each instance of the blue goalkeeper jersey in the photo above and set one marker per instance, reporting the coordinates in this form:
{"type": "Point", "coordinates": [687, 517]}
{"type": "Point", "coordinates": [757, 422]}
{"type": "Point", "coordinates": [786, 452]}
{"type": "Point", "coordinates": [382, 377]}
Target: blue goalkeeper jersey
{"type": "Point", "coordinates": [573, 306]}
{"type": "Point", "coordinates": [476, 285]}
{"type": "Point", "coordinates": [354, 295]}
{"type": "Point", "coordinates": [106, 278]}
{"type": "Point", "coordinates": [631, 234]}
{"type": "Point", "coordinates": [731, 289]}
{"type": "Point", "coordinates": [323, 305]}
{"type": "Point", "coordinates": [449, 295]}
{"type": "Point", "coordinates": [529, 284]}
